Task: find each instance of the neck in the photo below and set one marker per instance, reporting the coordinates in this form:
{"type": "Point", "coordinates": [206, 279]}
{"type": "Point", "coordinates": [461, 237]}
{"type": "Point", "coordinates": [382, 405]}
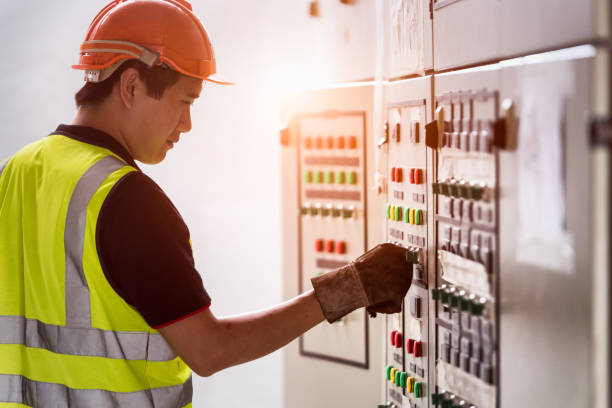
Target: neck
{"type": "Point", "coordinates": [97, 117]}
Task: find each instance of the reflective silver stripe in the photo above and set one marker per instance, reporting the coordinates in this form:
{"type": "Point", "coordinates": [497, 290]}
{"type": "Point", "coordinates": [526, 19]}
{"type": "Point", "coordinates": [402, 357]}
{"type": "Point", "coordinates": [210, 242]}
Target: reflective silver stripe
{"type": "Point", "coordinates": [21, 390]}
{"type": "Point", "coordinates": [2, 166]}
{"type": "Point", "coordinates": [78, 313]}
{"type": "Point", "coordinates": [84, 341]}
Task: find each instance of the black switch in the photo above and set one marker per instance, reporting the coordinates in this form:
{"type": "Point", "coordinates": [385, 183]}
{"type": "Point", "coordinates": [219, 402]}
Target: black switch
{"type": "Point", "coordinates": [445, 352]}
{"type": "Point", "coordinates": [454, 357]}
{"type": "Point", "coordinates": [464, 362]}
{"type": "Point", "coordinates": [415, 307]}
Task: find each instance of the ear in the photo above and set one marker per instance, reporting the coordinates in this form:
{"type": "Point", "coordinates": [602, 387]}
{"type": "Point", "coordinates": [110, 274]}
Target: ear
{"type": "Point", "coordinates": [128, 84]}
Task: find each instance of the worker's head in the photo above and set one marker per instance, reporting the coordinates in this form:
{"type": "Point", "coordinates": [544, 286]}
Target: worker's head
{"type": "Point", "coordinates": [144, 63]}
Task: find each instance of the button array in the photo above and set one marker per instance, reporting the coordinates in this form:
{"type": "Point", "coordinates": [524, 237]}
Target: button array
{"type": "Point", "coordinates": [474, 245]}
{"type": "Point", "coordinates": [469, 135]}
{"type": "Point", "coordinates": [412, 216]}
{"type": "Point", "coordinates": [414, 347]}
{"type": "Point", "coordinates": [416, 176]}
{"type": "Point", "coordinates": [459, 299]}
{"type": "Point", "coordinates": [396, 339]}
{"type": "Point", "coordinates": [330, 177]}
{"type": "Point", "coordinates": [449, 400]}
{"type": "Point", "coordinates": [460, 188]}
{"type": "Point", "coordinates": [397, 174]}
{"type": "Point", "coordinates": [330, 246]}
{"type": "Point", "coordinates": [330, 142]}
{"type": "Point", "coordinates": [328, 210]}
{"type": "Point", "coordinates": [401, 379]}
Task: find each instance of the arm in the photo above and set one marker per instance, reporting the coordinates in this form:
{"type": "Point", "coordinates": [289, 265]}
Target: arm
{"type": "Point", "coordinates": [209, 344]}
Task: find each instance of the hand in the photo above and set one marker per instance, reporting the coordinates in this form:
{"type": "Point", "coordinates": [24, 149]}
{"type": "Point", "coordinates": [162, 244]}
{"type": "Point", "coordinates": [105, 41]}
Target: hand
{"type": "Point", "coordinates": [378, 280]}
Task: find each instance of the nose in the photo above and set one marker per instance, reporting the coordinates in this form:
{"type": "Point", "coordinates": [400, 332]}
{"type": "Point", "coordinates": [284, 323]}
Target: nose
{"type": "Point", "coordinates": [185, 121]}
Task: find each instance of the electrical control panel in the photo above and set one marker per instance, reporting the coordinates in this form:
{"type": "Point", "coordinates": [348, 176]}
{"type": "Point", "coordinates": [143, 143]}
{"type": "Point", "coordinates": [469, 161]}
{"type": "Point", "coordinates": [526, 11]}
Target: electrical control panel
{"type": "Point", "coordinates": [327, 202]}
{"type": "Point", "coordinates": [407, 223]}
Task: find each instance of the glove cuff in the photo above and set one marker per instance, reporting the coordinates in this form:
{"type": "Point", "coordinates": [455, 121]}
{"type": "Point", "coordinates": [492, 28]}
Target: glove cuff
{"type": "Point", "coordinates": [339, 292]}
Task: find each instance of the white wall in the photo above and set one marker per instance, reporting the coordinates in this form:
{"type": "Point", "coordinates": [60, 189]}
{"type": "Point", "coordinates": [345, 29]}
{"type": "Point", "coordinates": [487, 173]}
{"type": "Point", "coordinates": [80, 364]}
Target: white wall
{"type": "Point", "coordinates": [224, 175]}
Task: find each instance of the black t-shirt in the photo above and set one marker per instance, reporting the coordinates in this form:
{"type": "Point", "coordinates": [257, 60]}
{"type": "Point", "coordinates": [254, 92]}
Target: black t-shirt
{"type": "Point", "coordinates": [143, 242]}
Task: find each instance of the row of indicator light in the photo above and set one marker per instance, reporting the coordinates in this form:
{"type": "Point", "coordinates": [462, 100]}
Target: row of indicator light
{"type": "Point", "coordinates": [330, 177]}
{"type": "Point", "coordinates": [327, 210]}
{"type": "Point", "coordinates": [330, 246]}
{"type": "Point", "coordinates": [412, 346]}
{"type": "Point", "coordinates": [416, 175]}
{"type": "Point", "coordinates": [402, 379]}
{"type": "Point", "coordinates": [412, 216]}
{"type": "Point", "coordinates": [448, 400]}
{"type": "Point", "coordinates": [460, 189]}
{"type": "Point", "coordinates": [459, 299]}
{"type": "Point", "coordinates": [330, 142]}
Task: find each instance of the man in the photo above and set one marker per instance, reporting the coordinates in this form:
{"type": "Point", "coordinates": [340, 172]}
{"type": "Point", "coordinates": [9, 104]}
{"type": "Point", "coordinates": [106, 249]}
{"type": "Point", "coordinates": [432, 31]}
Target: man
{"type": "Point", "coordinates": [100, 302]}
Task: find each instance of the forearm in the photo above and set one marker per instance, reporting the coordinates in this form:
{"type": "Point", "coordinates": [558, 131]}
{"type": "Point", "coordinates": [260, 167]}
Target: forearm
{"type": "Point", "coordinates": [259, 333]}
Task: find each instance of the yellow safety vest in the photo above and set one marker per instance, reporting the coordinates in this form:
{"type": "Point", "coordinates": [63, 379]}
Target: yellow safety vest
{"type": "Point", "coordinates": [67, 339]}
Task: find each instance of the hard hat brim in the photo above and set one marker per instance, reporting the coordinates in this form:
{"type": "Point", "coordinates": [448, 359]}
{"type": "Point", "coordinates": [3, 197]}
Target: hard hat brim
{"type": "Point", "coordinates": [218, 80]}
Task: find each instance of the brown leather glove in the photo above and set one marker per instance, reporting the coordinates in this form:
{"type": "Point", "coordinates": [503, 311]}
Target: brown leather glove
{"type": "Point", "coordinates": [378, 280]}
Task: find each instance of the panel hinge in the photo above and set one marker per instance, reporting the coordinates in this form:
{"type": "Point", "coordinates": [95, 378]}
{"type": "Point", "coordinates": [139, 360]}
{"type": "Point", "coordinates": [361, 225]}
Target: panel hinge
{"type": "Point", "coordinates": [600, 132]}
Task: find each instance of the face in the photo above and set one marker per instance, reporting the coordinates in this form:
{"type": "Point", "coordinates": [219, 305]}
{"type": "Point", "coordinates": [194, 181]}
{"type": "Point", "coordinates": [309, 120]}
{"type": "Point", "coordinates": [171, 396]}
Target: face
{"type": "Point", "coordinates": [156, 125]}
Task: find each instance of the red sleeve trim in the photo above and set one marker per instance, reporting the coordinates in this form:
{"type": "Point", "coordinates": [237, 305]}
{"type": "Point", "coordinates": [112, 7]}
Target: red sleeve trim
{"type": "Point", "coordinates": [182, 317]}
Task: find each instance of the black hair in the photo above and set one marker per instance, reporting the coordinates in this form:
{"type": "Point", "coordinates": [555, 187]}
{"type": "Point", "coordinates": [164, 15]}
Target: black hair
{"type": "Point", "coordinates": [156, 78]}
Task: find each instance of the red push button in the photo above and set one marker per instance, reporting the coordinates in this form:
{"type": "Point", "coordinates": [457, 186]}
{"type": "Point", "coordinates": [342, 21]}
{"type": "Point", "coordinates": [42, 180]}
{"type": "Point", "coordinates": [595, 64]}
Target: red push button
{"type": "Point", "coordinates": [398, 340]}
{"type": "Point", "coordinates": [398, 174]}
{"type": "Point", "coordinates": [308, 142]}
{"type": "Point", "coordinates": [319, 245]}
{"type": "Point", "coordinates": [393, 174]}
{"type": "Point", "coordinates": [340, 142]}
{"type": "Point", "coordinates": [393, 338]}
{"type": "Point", "coordinates": [330, 142]}
{"type": "Point", "coordinates": [341, 247]}
{"type": "Point", "coordinates": [412, 176]}
{"type": "Point", "coordinates": [330, 246]}
{"type": "Point", "coordinates": [418, 179]}
{"type": "Point", "coordinates": [319, 142]}
{"type": "Point", "coordinates": [410, 346]}
{"type": "Point", "coordinates": [352, 142]}
{"type": "Point", "coordinates": [418, 349]}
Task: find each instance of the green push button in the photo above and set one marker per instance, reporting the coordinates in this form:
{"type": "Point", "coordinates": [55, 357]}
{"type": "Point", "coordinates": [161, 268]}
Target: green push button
{"type": "Point", "coordinates": [418, 389]}
{"type": "Point", "coordinates": [403, 377]}
{"type": "Point", "coordinates": [418, 217]}
{"type": "Point", "coordinates": [340, 177]}
{"type": "Point", "coordinates": [443, 188]}
{"type": "Point", "coordinates": [407, 215]}
{"type": "Point", "coordinates": [477, 307]}
{"type": "Point", "coordinates": [412, 255]}
{"type": "Point", "coordinates": [436, 398]}
{"type": "Point", "coordinates": [435, 187]}
{"type": "Point", "coordinates": [398, 213]}
{"type": "Point", "coordinates": [435, 294]}
{"type": "Point", "coordinates": [308, 176]}
{"type": "Point", "coordinates": [314, 210]}
{"type": "Point", "coordinates": [352, 177]}
{"type": "Point", "coordinates": [304, 210]}
{"type": "Point", "coordinates": [329, 177]}
{"type": "Point", "coordinates": [444, 297]}
{"type": "Point", "coordinates": [464, 304]}
{"type": "Point", "coordinates": [389, 368]}
{"type": "Point", "coordinates": [454, 301]}
{"type": "Point", "coordinates": [447, 403]}
{"type": "Point", "coordinates": [389, 207]}
{"type": "Point", "coordinates": [319, 177]}
{"type": "Point", "coordinates": [398, 377]}
{"type": "Point", "coordinates": [478, 191]}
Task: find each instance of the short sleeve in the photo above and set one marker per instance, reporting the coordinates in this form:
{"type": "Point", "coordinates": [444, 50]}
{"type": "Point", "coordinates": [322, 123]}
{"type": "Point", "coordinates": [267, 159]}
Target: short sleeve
{"type": "Point", "coordinates": [145, 252]}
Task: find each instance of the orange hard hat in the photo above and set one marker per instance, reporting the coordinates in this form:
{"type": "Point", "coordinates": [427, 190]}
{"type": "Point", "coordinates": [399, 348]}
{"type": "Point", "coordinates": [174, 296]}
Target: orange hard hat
{"type": "Point", "coordinates": [156, 32]}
